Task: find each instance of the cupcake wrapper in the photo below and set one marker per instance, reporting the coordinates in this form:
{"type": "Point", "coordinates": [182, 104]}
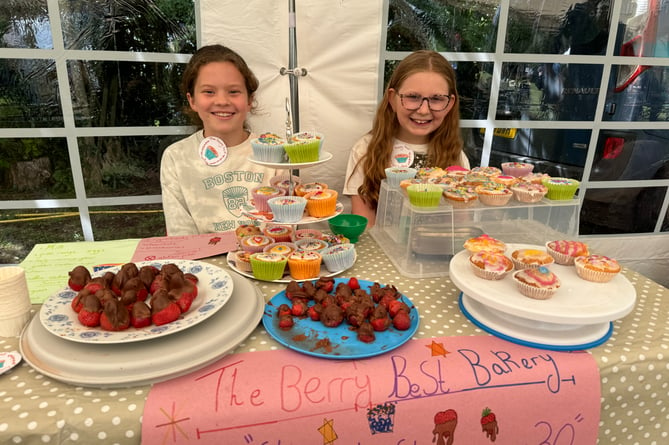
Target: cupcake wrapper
{"type": "Point", "coordinates": [338, 261]}
{"type": "Point", "coordinates": [303, 152]}
{"type": "Point", "coordinates": [268, 153]}
{"type": "Point", "coordinates": [268, 270]}
{"type": "Point", "coordinates": [260, 202]}
{"type": "Point", "coordinates": [594, 275]}
{"type": "Point", "coordinates": [302, 270]}
{"type": "Point", "coordinates": [426, 196]}
{"type": "Point", "coordinates": [394, 178]}
{"type": "Point", "coordinates": [525, 196]}
{"type": "Point", "coordinates": [495, 200]}
{"type": "Point", "coordinates": [320, 208]}
{"type": "Point", "coordinates": [489, 274]}
{"type": "Point", "coordinates": [291, 213]}
{"type": "Point", "coordinates": [307, 233]}
{"type": "Point", "coordinates": [561, 194]}
{"type": "Point", "coordinates": [519, 265]}
{"type": "Point", "coordinates": [535, 292]}
{"type": "Point", "coordinates": [244, 266]}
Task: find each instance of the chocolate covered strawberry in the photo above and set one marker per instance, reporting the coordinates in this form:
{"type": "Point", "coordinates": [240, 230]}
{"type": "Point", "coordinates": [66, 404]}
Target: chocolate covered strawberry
{"type": "Point", "coordinates": [402, 321]}
{"type": "Point", "coordinates": [184, 296]}
{"type": "Point", "coordinates": [163, 309]}
{"type": "Point", "coordinates": [489, 424]}
{"type": "Point", "coordinates": [89, 314]}
{"type": "Point", "coordinates": [286, 321]}
{"type": "Point", "coordinates": [445, 423]}
{"type": "Point", "coordinates": [115, 316]}
{"type": "Point", "coordinates": [140, 315]}
{"type": "Point", "coordinates": [78, 277]}
{"type": "Point", "coordinates": [366, 332]}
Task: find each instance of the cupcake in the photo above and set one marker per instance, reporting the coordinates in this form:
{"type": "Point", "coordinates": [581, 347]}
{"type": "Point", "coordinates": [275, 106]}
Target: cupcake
{"type": "Point", "coordinates": [560, 188]}
{"type": "Point", "coordinates": [247, 230]}
{"type": "Point", "coordinates": [311, 244]}
{"type": "Point", "coordinates": [456, 172]}
{"type": "Point", "coordinates": [282, 248]}
{"type": "Point", "coordinates": [307, 233]}
{"type": "Point", "coordinates": [461, 197]}
{"type": "Point", "coordinates": [286, 183]}
{"type": "Point", "coordinates": [539, 283]}
{"type": "Point", "coordinates": [487, 171]}
{"type": "Point", "coordinates": [303, 147]}
{"type": "Point", "coordinates": [334, 240]}
{"type": "Point", "coordinates": [564, 251]}
{"type": "Point", "coordinates": [255, 243]}
{"type": "Point", "coordinates": [407, 182]}
{"type": "Point", "coordinates": [473, 179]}
{"type": "Point", "coordinates": [321, 203]}
{"type": "Point", "coordinates": [484, 242]}
{"type": "Point", "coordinates": [304, 264]}
{"type": "Point", "coordinates": [287, 209]}
{"type": "Point", "coordinates": [242, 260]}
{"type": "Point", "coordinates": [269, 147]}
{"type": "Point", "coordinates": [493, 194]}
{"type": "Point", "coordinates": [597, 268]}
{"type": "Point", "coordinates": [425, 195]}
{"type": "Point", "coordinates": [490, 265]}
{"type": "Point", "coordinates": [338, 257]}
{"type": "Point", "coordinates": [279, 232]}
{"type": "Point", "coordinates": [505, 180]}
{"type": "Point", "coordinates": [535, 178]}
{"type": "Point", "coordinates": [308, 137]}
{"type": "Point", "coordinates": [429, 172]}
{"type": "Point", "coordinates": [395, 175]}
{"type": "Point", "coordinates": [517, 169]}
{"type": "Point", "coordinates": [262, 194]}
{"type": "Point", "coordinates": [524, 258]}
{"type": "Point", "coordinates": [528, 191]}
{"type": "Point", "coordinates": [444, 182]}
{"type": "Point", "coordinates": [305, 188]}
{"type": "Point", "coordinates": [268, 266]}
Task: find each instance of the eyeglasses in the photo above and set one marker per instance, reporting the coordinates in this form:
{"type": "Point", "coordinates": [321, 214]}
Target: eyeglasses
{"type": "Point", "coordinates": [438, 102]}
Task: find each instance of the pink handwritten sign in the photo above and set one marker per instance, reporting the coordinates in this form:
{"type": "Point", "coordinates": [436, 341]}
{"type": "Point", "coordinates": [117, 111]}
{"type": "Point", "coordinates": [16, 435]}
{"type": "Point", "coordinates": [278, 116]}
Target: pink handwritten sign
{"type": "Point", "coordinates": [448, 390]}
{"type": "Point", "coordinates": [190, 247]}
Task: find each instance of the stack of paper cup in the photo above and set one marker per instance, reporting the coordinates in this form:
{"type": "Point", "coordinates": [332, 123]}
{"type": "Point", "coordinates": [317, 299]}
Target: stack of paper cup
{"type": "Point", "coordinates": [14, 301]}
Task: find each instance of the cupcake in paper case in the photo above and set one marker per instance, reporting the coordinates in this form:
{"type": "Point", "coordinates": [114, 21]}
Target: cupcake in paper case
{"type": "Point", "coordinates": [461, 197]}
{"type": "Point", "coordinates": [484, 242]}
{"type": "Point", "coordinates": [338, 257]}
{"type": "Point", "coordinates": [308, 137]}
{"type": "Point", "coordinates": [405, 183]}
{"type": "Point", "coordinates": [255, 243]}
{"type": "Point", "coordinates": [282, 248]}
{"type": "Point", "coordinates": [596, 268]}
{"type": "Point", "coordinates": [487, 171]}
{"type": "Point", "coordinates": [262, 194]}
{"type": "Point", "coordinates": [524, 258]}
{"type": "Point", "coordinates": [247, 230]}
{"type": "Point", "coordinates": [242, 260]}
{"type": "Point", "coordinates": [505, 180]}
{"type": "Point", "coordinates": [429, 172]}
{"type": "Point", "coordinates": [304, 264]}
{"type": "Point", "coordinates": [474, 179]}
{"type": "Point", "coordinates": [334, 240]}
{"type": "Point", "coordinates": [307, 187]}
{"type": "Point", "coordinates": [311, 244]}
{"type": "Point", "coordinates": [456, 171]}
{"type": "Point", "coordinates": [268, 266]}
{"type": "Point", "coordinates": [303, 149]}
{"type": "Point", "coordinates": [307, 233]}
{"type": "Point", "coordinates": [321, 203]}
{"type": "Point", "coordinates": [284, 182]}
{"type": "Point", "coordinates": [535, 178]}
{"type": "Point", "coordinates": [425, 195]}
{"type": "Point", "coordinates": [539, 283]}
{"type": "Point", "coordinates": [565, 251]}
{"type": "Point", "coordinates": [517, 169]}
{"type": "Point", "coordinates": [395, 175]}
{"type": "Point", "coordinates": [560, 188]}
{"type": "Point", "coordinates": [490, 265]}
{"type": "Point", "coordinates": [528, 191]}
{"type": "Point", "coordinates": [269, 147]}
{"type": "Point", "coordinates": [493, 194]}
{"type": "Point", "coordinates": [287, 209]}
{"type": "Point", "coordinates": [279, 232]}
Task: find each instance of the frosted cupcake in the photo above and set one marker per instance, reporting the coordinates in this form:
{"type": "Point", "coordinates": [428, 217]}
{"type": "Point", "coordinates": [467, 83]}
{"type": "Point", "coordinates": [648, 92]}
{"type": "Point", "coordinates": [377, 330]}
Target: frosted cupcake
{"type": "Point", "coordinates": [429, 172]}
{"type": "Point", "coordinates": [493, 194]}
{"type": "Point", "coordinates": [517, 169]}
{"type": "Point", "coordinates": [307, 233]}
{"type": "Point", "coordinates": [278, 232]}
{"type": "Point", "coordinates": [425, 195]}
{"type": "Point", "coordinates": [268, 266]}
{"type": "Point", "coordinates": [269, 147]}
{"type": "Point", "coordinates": [287, 209]}
{"type": "Point", "coordinates": [282, 248]}
{"type": "Point", "coordinates": [262, 194]}
{"type": "Point", "coordinates": [461, 197]}
{"type": "Point", "coordinates": [597, 268]}
{"type": "Point", "coordinates": [395, 175]}
{"type": "Point", "coordinates": [524, 258]}
{"type": "Point", "coordinates": [284, 182]}
{"type": "Point", "coordinates": [303, 147]}
{"type": "Point", "coordinates": [539, 283]}
{"type": "Point", "coordinates": [311, 244]}
{"type": "Point", "coordinates": [338, 257]}
{"type": "Point", "coordinates": [484, 242]}
{"type": "Point", "coordinates": [322, 203]}
{"type": "Point", "coordinates": [560, 188]}
{"type": "Point", "coordinates": [490, 265]}
{"type": "Point", "coordinates": [304, 264]}
{"type": "Point", "coordinates": [255, 243]}
{"type": "Point", "coordinates": [456, 172]}
{"type": "Point", "coordinates": [242, 260]}
{"type": "Point", "coordinates": [487, 171]}
{"type": "Point", "coordinates": [564, 251]}
{"type": "Point", "coordinates": [307, 187]}
{"type": "Point", "coordinates": [308, 137]}
{"type": "Point", "coordinates": [528, 192]}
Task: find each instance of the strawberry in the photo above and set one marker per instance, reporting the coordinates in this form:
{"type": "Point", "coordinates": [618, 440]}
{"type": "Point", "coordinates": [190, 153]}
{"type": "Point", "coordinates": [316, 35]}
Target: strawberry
{"type": "Point", "coordinates": [115, 316]}
{"type": "Point", "coordinates": [402, 321]}
{"type": "Point", "coordinates": [78, 277]}
{"type": "Point", "coordinates": [284, 309]}
{"type": "Point", "coordinates": [314, 312]}
{"type": "Point", "coordinates": [353, 283]}
{"type": "Point", "coordinates": [366, 332]}
{"type": "Point", "coordinates": [396, 306]}
{"type": "Point", "coordinates": [156, 284]}
{"type": "Point", "coordinates": [487, 416]}
{"type": "Point", "coordinates": [89, 319]}
{"type": "Point", "coordinates": [445, 416]}
{"type": "Point", "coordinates": [489, 424]}
{"type": "Point", "coordinates": [77, 301]}
{"type": "Point", "coordinates": [167, 314]}
{"type": "Point", "coordinates": [140, 315]}
{"type": "Point", "coordinates": [286, 322]}
{"type": "Point", "coordinates": [299, 307]}
{"type": "Point", "coordinates": [325, 283]}
{"type": "Point", "coordinates": [380, 324]}
{"type": "Point", "coordinates": [191, 277]}
{"type": "Point", "coordinates": [94, 285]}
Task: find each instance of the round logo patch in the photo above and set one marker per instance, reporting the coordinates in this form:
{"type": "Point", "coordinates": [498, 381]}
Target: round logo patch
{"type": "Point", "coordinates": [213, 150]}
{"type": "Point", "coordinates": [402, 156]}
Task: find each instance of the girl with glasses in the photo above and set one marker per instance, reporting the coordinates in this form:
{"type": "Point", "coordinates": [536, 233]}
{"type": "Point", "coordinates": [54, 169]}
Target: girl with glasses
{"type": "Point", "coordinates": [417, 124]}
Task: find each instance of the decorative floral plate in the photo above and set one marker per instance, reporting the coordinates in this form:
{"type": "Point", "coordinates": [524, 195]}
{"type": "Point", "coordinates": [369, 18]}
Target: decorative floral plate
{"type": "Point", "coordinates": [214, 290]}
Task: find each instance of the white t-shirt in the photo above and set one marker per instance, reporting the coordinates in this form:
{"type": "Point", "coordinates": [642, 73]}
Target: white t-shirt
{"type": "Point", "coordinates": [403, 155]}
{"type": "Point", "coordinates": [201, 198]}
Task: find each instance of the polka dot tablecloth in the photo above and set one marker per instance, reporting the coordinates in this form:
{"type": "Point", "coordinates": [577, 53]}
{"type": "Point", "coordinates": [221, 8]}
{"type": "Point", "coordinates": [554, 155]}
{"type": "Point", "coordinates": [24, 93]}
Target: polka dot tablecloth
{"type": "Point", "coordinates": [633, 363]}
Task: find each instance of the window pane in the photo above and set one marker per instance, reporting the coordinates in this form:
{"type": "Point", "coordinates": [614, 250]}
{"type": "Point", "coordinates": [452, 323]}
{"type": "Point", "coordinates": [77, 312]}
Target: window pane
{"type": "Point", "coordinates": [473, 82]}
{"type": "Point", "coordinates": [123, 166]}
{"type": "Point", "coordinates": [643, 29]}
{"type": "Point", "coordinates": [25, 24]}
{"type": "Point", "coordinates": [26, 102]}
{"type": "Point", "coordinates": [629, 155]}
{"type": "Point", "coordinates": [121, 222]}
{"type": "Point", "coordinates": [116, 94]}
{"type": "Point", "coordinates": [138, 25]}
{"type": "Point", "coordinates": [637, 93]}
{"type": "Point", "coordinates": [442, 25]}
{"type": "Point", "coordinates": [35, 169]}
{"type": "Point", "coordinates": [20, 230]}
{"type": "Point", "coordinates": [559, 153]}
{"type": "Point", "coordinates": [564, 27]}
{"type": "Point", "coordinates": [616, 210]}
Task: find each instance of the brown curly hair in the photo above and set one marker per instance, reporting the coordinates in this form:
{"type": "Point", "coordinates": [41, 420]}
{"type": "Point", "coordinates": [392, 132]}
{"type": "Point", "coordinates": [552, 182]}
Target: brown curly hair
{"type": "Point", "coordinates": [444, 145]}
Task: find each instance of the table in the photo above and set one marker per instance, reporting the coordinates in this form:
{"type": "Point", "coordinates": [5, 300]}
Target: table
{"type": "Point", "coordinates": [633, 366]}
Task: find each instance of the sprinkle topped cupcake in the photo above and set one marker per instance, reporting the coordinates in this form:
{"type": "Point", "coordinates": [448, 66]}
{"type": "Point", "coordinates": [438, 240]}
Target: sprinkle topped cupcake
{"type": "Point", "coordinates": [269, 147]}
{"type": "Point", "coordinates": [305, 188]}
{"type": "Point", "coordinates": [461, 197]}
{"type": "Point", "coordinates": [517, 169]}
{"type": "Point", "coordinates": [395, 175]}
{"type": "Point", "coordinates": [304, 264]}
{"type": "Point", "coordinates": [263, 193]}
{"type": "Point", "coordinates": [487, 171]}
{"type": "Point", "coordinates": [528, 192]}
{"type": "Point", "coordinates": [287, 209]}
{"type": "Point", "coordinates": [484, 242]}
{"type": "Point", "coordinates": [493, 194]}
{"type": "Point", "coordinates": [539, 283]}
{"type": "Point", "coordinates": [560, 188]}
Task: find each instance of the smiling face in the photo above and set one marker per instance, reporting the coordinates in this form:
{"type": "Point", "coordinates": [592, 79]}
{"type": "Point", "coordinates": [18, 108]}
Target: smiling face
{"type": "Point", "coordinates": [416, 126]}
{"type": "Point", "coordinates": [221, 100]}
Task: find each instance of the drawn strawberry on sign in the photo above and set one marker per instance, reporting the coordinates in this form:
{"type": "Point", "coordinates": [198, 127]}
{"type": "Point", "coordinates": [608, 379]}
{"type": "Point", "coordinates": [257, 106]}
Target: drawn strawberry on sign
{"type": "Point", "coordinates": [444, 427]}
{"type": "Point", "coordinates": [215, 240]}
{"type": "Point", "coordinates": [489, 424]}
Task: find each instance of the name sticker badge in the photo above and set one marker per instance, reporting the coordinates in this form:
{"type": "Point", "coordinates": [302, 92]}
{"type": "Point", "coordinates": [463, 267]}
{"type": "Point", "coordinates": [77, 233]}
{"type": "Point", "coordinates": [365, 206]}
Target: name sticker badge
{"type": "Point", "coordinates": [402, 156]}
{"type": "Point", "coordinates": [213, 151]}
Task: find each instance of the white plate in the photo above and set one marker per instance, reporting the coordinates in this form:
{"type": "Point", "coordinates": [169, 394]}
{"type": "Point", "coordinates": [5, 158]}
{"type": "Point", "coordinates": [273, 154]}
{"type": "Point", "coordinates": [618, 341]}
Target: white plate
{"type": "Point", "coordinates": [124, 365]}
{"type": "Point", "coordinates": [8, 360]}
{"type": "Point", "coordinates": [324, 156]}
{"type": "Point", "coordinates": [286, 278]}
{"type": "Point", "coordinates": [214, 290]}
{"type": "Point", "coordinates": [577, 301]}
{"type": "Point", "coordinates": [305, 220]}
{"type": "Point", "coordinates": [539, 335]}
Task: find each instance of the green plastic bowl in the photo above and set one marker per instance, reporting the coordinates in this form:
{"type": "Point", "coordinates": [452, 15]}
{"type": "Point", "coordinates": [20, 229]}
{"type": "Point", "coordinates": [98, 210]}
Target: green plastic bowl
{"type": "Point", "coordinates": [349, 225]}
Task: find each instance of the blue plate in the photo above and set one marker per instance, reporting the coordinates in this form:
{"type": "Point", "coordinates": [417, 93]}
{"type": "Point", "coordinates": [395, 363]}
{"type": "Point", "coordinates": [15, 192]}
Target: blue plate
{"type": "Point", "coordinates": [313, 338]}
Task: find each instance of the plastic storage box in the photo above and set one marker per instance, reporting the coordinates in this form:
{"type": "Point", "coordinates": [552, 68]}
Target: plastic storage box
{"type": "Point", "coordinates": [420, 243]}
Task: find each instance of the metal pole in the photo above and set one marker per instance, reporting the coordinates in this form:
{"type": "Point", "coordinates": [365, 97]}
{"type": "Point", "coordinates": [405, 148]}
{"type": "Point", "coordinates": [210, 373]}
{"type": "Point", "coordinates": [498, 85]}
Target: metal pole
{"type": "Point", "coordinates": [292, 64]}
